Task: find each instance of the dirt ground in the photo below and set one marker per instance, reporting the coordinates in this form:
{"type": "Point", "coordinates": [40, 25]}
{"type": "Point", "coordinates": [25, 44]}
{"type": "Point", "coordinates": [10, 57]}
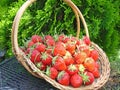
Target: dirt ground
{"type": "Point", "coordinates": [114, 81]}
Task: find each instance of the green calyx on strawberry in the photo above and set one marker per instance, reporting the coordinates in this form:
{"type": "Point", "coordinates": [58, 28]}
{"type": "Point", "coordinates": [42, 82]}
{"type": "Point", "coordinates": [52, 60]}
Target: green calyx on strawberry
{"type": "Point", "coordinates": [81, 68]}
{"type": "Point", "coordinates": [72, 69]}
{"type": "Point", "coordinates": [52, 72]}
{"type": "Point", "coordinates": [68, 59]}
{"type": "Point", "coordinates": [63, 78]}
{"type": "Point", "coordinates": [46, 58]}
{"type": "Point", "coordinates": [41, 66]}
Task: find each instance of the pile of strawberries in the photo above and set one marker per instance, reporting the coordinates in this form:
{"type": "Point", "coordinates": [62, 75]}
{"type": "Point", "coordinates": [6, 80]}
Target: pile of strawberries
{"type": "Point", "coordinates": [66, 59]}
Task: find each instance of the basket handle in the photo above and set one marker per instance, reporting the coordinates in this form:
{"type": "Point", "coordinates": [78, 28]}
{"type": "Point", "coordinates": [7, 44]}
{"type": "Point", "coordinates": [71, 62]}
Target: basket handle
{"type": "Point", "coordinates": [20, 12]}
{"type": "Point", "coordinates": [75, 8]}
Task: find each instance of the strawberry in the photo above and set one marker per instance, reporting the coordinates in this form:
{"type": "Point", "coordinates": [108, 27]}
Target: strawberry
{"type": "Point", "coordinates": [72, 69]}
{"type": "Point", "coordinates": [94, 54]}
{"type": "Point", "coordinates": [80, 57]}
{"type": "Point", "coordinates": [41, 66]}
{"type": "Point", "coordinates": [49, 40]}
{"type": "Point", "coordinates": [40, 47]}
{"type": "Point", "coordinates": [52, 72]}
{"type": "Point", "coordinates": [46, 58]}
{"type": "Point", "coordinates": [59, 63]}
{"type": "Point", "coordinates": [61, 37]}
{"type": "Point", "coordinates": [70, 46]}
{"type": "Point", "coordinates": [63, 78]}
{"type": "Point", "coordinates": [97, 65]}
{"type": "Point", "coordinates": [85, 49]}
{"type": "Point", "coordinates": [96, 73]}
{"type": "Point", "coordinates": [90, 79]}
{"type": "Point", "coordinates": [87, 40]}
{"type": "Point", "coordinates": [89, 64]}
{"type": "Point", "coordinates": [30, 43]}
{"type": "Point", "coordinates": [76, 80]}
{"type": "Point", "coordinates": [68, 59]}
{"type": "Point", "coordinates": [36, 38]}
{"type": "Point", "coordinates": [59, 50]}
{"type": "Point", "coordinates": [35, 56]}
{"type": "Point", "coordinates": [66, 39]}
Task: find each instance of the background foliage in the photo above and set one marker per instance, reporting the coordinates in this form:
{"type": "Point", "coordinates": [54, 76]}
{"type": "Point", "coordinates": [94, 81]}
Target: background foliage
{"type": "Point", "coordinates": [54, 16]}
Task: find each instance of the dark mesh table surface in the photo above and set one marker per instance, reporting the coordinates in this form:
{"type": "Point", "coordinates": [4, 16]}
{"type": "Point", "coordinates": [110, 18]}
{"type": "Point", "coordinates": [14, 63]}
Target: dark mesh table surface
{"type": "Point", "coordinates": [13, 76]}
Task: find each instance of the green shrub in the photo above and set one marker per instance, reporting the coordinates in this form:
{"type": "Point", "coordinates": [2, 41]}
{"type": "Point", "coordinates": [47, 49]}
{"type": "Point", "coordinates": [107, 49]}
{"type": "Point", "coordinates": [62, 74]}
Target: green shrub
{"type": "Point", "coordinates": [54, 16]}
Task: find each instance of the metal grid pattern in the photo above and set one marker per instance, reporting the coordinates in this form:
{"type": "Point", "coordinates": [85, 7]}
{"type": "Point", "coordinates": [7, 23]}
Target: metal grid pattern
{"type": "Point", "coordinates": [13, 76]}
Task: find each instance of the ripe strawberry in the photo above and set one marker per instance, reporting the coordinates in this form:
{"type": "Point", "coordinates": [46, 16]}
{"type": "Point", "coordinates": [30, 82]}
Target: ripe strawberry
{"type": "Point", "coordinates": [49, 40]}
{"type": "Point", "coordinates": [30, 43]}
{"type": "Point", "coordinates": [41, 66]}
{"type": "Point", "coordinates": [40, 47]}
{"type": "Point", "coordinates": [94, 54]}
{"type": "Point", "coordinates": [66, 39]}
{"type": "Point", "coordinates": [70, 46]}
{"type": "Point", "coordinates": [90, 78]}
{"type": "Point", "coordinates": [63, 78]}
{"type": "Point", "coordinates": [59, 50]}
{"type": "Point", "coordinates": [97, 65]}
{"type": "Point", "coordinates": [61, 37]}
{"type": "Point", "coordinates": [46, 58]}
{"type": "Point", "coordinates": [68, 59]}
{"type": "Point", "coordinates": [35, 56]}
{"type": "Point", "coordinates": [80, 57]}
{"type": "Point", "coordinates": [52, 72]}
{"type": "Point", "coordinates": [72, 69]}
{"type": "Point", "coordinates": [76, 80]}
{"type": "Point", "coordinates": [89, 64]}
{"type": "Point", "coordinates": [59, 63]}
{"type": "Point", "coordinates": [36, 38]}
{"type": "Point", "coordinates": [96, 73]}
{"type": "Point", "coordinates": [85, 49]}
{"type": "Point", "coordinates": [87, 40]}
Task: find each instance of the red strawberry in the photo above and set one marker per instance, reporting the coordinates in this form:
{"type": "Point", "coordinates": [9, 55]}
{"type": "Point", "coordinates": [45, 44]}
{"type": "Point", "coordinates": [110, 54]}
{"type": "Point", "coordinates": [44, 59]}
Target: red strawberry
{"type": "Point", "coordinates": [72, 69]}
{"type": "Point", "coordinates": [46, 58]}
{"type": "Point", "coordinates": [97, 65]}
{"type": "Point", "coordinates": [87, 40]}
{"type": "Point", "coordinates": [80, 57]}
{"type": "Point", "coordinates": [40, 47]}
{"type": "Point", "coordinates": [96, 73]}
{"type": "Point", "coordinates": [70, 46]}
{"type": "Point", "coordinates": [85, 49]}
{"type": "Point", "coordinates": [61, 37]}
{"type": "Point", "coordinates": [90, 78]}
{"type": "Point", "coordinates": [66, 39]}
{"type": "Point", "coordinates": [36, 38]}
{"type": "Point", "coordinates": [68, 59]}
{"type": "Point", "coordinates": [41, 66]}
{"type": "Point", "coordinates": [76, 80]}
{"type": "Point", "coordinates": [59, 63]}
{"type": "Point", "coordinates": [89, 64]}
{"type": "Point", "coordinates": [49, 40]}
{"type": "Point", "coordinates": [63, 78]}
{"type": "Point", "coordinates": [94, 54]}
{"type": "Point", "coordinates": [30, 43]}
{"type": "Point", "coordinates": [35, 56]}
{"type": "Point", "coordinates": [59, 50]}
{"type": "Point", "coordinates": [52, 72]}
{"type": "Point", "coordinates": [48, 37]}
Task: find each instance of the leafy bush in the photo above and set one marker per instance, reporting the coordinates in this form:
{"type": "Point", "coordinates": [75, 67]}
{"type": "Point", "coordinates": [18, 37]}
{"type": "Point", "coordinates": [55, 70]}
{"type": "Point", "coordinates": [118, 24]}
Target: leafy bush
{"type": "Point", "coordinates": [54, 16]}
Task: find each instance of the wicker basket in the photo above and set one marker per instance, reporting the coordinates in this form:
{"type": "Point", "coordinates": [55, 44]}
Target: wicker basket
{"type": "Point", "coordinates": [103, 60]}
